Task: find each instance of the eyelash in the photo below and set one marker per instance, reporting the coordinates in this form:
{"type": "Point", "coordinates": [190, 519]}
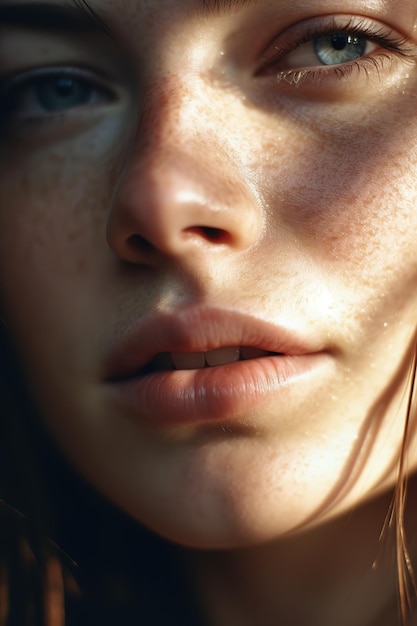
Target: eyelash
{"type": "Point", "coordinates": [400, 46]}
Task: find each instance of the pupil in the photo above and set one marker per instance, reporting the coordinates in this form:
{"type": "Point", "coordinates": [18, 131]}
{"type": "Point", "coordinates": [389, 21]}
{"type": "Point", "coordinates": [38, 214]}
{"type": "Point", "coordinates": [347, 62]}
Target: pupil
{"type": "Point", "coordinates": [339, 41]}
{"type": "Point", "coordinates": [64, 87]}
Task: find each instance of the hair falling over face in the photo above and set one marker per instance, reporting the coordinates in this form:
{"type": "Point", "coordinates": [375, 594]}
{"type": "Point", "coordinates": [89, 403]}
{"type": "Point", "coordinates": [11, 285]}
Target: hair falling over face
{"type": "Point", "coordinates": [32, 585]}
{"type": "Point", "coordinates": [407, 588]}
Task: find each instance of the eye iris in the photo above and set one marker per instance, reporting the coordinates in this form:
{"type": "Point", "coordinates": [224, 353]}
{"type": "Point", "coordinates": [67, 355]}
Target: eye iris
{"type": "Point", "coordinates": [62, 92]}
{"type": "Point", "coordinates": [339, 48]}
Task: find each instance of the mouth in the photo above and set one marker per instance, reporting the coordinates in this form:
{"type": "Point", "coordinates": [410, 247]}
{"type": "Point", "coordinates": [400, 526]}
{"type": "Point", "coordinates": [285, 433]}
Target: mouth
{"type": "Point", "coordinates": [169, 361]}
{"type": "Point", "coordinates": [200, 338]}
{"type": "Point", "coordinates": [203, 364]}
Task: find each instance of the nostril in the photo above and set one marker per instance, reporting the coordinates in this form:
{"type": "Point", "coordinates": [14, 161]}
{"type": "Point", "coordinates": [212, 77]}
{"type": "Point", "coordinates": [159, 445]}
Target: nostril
{"type": "Point", "coordinates": [137, 242]}
{"type": "Point", "coordinates": [210, 234]}
{"type": "Point", "coordinates": [139, 245]}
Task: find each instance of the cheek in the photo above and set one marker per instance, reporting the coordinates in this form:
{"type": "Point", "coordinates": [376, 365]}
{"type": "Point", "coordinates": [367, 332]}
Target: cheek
{"type": "Point", "coordinates": [366, 206]}
{"type": "Point", "coordinates": [346, 198]}
{"type": "Point", "coordinates": [55, 201]}
{"type": "Point", "coordinates": [52, 243]}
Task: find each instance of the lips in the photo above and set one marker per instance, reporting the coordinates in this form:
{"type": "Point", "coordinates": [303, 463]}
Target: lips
{"type": "Point", "coordinates": [200, 363]}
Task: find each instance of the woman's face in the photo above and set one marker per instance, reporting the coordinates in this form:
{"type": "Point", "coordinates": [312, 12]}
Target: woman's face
{"type": "Point", "coordinates": [214, 175]}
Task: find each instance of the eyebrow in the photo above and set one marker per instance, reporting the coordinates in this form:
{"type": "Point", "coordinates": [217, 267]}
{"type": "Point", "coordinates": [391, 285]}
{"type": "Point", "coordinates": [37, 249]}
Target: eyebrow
{"type": "Point", "coordinates": [79, 15]}
{"type": "Point", "coordinates": [75, 17]}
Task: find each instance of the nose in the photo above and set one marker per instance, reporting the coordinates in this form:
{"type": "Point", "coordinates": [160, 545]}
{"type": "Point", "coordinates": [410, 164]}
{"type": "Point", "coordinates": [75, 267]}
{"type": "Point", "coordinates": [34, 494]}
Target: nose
{"type": "Point", "coordinates": [185, 191]}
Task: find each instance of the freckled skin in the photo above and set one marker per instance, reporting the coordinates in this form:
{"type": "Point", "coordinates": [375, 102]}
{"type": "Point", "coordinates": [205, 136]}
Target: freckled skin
{"type": "Point", "coordinates": [318, 197]}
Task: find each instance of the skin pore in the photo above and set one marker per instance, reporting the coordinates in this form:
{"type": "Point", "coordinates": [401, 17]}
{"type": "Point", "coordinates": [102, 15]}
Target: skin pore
{"type": "Point", "coordinates": [206, 160]}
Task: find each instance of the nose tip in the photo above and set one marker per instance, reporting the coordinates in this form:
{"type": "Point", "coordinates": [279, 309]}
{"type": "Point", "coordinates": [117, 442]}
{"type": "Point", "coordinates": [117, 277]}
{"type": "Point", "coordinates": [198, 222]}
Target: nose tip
{"type": "Point", "coordinates": [177, 205]}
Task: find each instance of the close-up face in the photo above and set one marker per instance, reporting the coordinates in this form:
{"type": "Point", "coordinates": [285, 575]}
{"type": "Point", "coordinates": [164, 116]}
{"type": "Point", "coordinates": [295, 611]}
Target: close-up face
{"type": "Point", "coordinates": [207, 250]}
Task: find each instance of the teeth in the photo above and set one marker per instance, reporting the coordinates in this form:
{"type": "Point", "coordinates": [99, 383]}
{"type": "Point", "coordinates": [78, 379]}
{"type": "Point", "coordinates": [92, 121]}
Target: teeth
{"type": "Point", "coordinates": [221, 356]}
{"type": "Point", "coordinates": [188, 360]}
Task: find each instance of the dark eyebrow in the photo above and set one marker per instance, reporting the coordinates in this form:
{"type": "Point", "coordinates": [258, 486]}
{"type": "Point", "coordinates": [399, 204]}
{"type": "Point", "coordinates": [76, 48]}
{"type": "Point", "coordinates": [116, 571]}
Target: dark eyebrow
{"type": "Point", "coordinates": [75, 17]}
{"type": "Point", "coordinates": [80, 16]}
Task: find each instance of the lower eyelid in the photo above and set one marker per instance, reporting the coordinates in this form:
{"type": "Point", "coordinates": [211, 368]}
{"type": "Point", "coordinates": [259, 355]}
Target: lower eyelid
{"type": "Point", "coordinates": [337, 81]}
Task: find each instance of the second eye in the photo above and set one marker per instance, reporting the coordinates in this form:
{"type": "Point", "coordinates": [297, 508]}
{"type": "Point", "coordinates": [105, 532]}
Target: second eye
{"type": "Point", "coordinates": [47, 92]}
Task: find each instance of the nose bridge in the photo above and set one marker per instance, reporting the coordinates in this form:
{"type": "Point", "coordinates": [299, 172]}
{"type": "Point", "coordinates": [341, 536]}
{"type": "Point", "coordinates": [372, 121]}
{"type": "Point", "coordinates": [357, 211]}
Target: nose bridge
{"type": "Point", "coordinates": [175, 134]}
{"type": "Point", "coordinates": [183, 188]}
{"type": "Point", "coordinates": [181, 131]}
{"type": "Point", "coordinates": [170, 102]}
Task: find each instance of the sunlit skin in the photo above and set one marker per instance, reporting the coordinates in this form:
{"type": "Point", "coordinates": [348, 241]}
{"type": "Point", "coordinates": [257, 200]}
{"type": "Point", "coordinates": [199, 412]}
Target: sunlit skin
{"type": "Point", "coordinates": [206, 171]}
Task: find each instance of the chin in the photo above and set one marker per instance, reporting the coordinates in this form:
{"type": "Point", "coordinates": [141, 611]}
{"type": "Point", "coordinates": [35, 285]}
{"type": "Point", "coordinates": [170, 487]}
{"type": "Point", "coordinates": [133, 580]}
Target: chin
{"type": "Point", "coordinates": [207, 524]}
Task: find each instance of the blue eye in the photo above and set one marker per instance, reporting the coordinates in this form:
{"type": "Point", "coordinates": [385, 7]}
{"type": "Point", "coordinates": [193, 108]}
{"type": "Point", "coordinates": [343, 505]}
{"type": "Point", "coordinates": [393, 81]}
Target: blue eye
{"type": "Point", "coordinates": [339, 48]}
{"type": "Point", "coordinates": [61, 93]}
{"type": "Point", "coordinates": [47, 92]}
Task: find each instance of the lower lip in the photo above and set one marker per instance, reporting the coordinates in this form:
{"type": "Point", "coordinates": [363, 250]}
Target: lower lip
{"type": "Point", "coordinates": [222, 392]}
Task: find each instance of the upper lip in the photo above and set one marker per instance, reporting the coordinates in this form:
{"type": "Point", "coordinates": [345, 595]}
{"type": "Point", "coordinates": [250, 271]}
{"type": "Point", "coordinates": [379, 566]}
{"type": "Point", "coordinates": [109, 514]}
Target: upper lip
{"type": "Point", "coordinates": [200, 329]}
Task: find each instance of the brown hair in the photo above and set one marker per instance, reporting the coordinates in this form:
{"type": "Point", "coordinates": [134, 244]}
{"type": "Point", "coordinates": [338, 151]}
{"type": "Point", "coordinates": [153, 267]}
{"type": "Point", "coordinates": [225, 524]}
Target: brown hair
{"type": "Point", "coordinates": [31, 579]}
{"type": "Point", "coordinates": [407, 588]}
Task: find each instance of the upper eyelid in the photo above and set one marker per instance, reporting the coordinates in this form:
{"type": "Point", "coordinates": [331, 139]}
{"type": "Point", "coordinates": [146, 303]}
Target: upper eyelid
{"type": "Point", "coordinates": [20, 78]}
